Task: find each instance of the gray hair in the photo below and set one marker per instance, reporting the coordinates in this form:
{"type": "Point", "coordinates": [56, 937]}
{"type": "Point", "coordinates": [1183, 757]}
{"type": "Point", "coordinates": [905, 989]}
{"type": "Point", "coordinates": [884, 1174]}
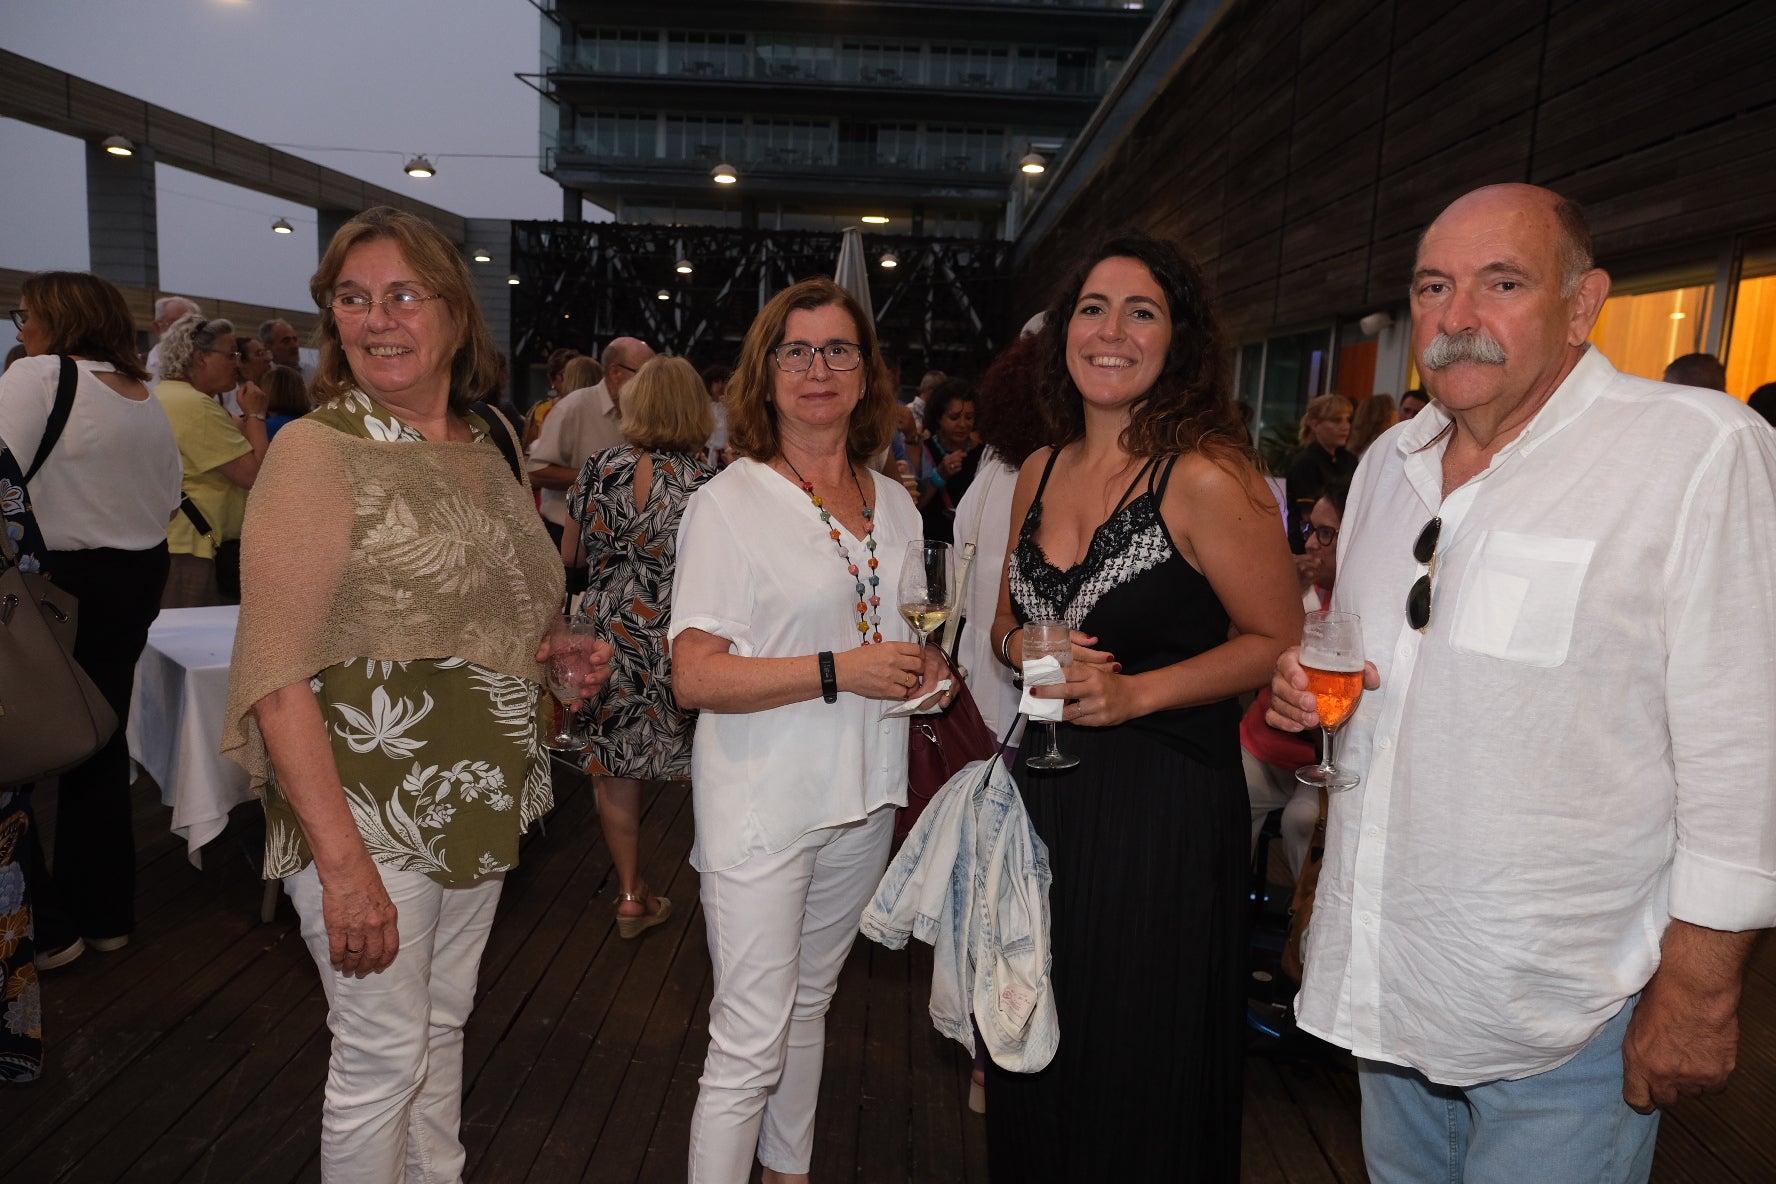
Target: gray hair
{"type": "Point", "coordinates": [163, 308]}
{"type": "Point", "coordinates": [1576, 257]}
{"type": "Point", "coordinates": [268, 329]}
{"type": "Point", "coordinates": [185, 338]}
{"type": "Point", "coordinates": [1574, 247]}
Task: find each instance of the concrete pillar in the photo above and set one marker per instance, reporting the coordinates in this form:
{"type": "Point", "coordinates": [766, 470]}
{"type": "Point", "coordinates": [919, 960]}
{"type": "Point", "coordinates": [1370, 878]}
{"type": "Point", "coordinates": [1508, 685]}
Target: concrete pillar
{"type": "Point", "coordinates": [491, 289]}
{"type": "Point", "coordinates": [572, 205]}
{"type": "Point", "coordinates": [327, 224]}
{"type": "Point", "coordinates": [122, 232]}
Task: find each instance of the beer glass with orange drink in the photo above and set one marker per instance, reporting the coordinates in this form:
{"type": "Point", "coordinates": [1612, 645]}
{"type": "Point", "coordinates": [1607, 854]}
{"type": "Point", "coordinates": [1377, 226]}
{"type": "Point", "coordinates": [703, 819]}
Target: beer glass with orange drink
{"type": "Point", "coordinates": [1332, 659]}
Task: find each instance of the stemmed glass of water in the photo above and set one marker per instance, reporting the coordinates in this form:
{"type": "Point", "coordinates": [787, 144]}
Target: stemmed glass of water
{"type": "Point", "coordinates": [569, 669]}
{"type": "Point", "coordinates": [1051, 639]}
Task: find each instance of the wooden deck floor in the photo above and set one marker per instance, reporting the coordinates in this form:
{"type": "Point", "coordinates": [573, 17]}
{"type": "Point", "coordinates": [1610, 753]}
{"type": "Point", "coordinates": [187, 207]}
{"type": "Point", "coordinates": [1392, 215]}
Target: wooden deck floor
{"type": "Point", "coordinates": [198, 1052]}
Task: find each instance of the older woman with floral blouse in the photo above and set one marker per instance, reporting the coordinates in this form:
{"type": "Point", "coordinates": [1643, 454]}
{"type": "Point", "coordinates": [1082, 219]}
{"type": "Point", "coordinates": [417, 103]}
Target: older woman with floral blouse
{"type": "Point", "coordinates": [396, 584]}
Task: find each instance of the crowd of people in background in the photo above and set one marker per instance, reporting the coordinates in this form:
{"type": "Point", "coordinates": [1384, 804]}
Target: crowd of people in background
{"type": "Point", "coordinates": [714, 548]}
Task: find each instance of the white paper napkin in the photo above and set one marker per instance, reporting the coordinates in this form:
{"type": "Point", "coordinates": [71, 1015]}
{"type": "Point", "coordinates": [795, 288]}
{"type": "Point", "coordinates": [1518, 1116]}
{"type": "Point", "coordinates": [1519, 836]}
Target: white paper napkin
{"type": "Point", "coordinates": [1040, 672]}
{"type": "Point", "coordinates": [925, 704]}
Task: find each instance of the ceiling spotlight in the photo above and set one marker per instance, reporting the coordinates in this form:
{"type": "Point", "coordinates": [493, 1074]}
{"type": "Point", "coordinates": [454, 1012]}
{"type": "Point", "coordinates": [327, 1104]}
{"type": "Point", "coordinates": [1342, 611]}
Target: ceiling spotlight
{"type": "Point", "coordinates": [888, 259]}
{"type": "Point", "coordinates": [1033, 164]}
{"type": "Point", "coordinates": [419, 166]}
{"type": "Point", "coordinates": [875, 219]}
{"type": "Point", "coordinates": [662, 294]}
{"type": "Point", "coordinates": [723, 174]}
{"type": "Point", "coordinates": [118, 146]}
{"type": "Point", "coordinates": [481, 255]}
{"type": "Point", "coordinates": [1677, 316]}
{"type": "Point", "coordinates": [282, 226]}
{"type": "Point", "coordinates": [513, 280]}
{"type": "Point", "coordinates": [684, 267]}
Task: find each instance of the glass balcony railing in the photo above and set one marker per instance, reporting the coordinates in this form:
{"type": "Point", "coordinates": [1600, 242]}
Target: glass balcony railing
{"type": "Point", "coordinates": [729, 63]}
{"type": "Point", "coordinates": [925, 158]}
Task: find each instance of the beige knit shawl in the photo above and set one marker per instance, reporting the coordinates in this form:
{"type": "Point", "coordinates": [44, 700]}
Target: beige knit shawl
{"type": "Point", "coordinates": [384, 549]}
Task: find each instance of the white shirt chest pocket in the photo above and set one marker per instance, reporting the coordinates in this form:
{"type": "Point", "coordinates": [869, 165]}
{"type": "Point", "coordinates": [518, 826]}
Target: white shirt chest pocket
{"type": "Point", "coordinates": [1519, 596]}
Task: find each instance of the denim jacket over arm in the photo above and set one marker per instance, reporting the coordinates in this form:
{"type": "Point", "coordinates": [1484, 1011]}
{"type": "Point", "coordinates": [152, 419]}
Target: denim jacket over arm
{"type": "Point", "coordinates": [972, 880]}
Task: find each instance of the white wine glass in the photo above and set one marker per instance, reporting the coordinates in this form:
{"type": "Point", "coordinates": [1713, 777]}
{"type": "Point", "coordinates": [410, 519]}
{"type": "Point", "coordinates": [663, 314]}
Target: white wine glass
{"type": "Point", "coordinates": [568, 670]}
{"type": "Point", "coordinates": [1332, 659]}
{"type": "Point", "coordinates": [927, 593]}
{"type": "Point", "coordinates": [1050, 639]}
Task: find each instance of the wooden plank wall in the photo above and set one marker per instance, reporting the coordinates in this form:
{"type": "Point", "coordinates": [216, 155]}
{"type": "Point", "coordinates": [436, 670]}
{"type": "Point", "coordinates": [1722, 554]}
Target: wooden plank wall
{"type": "Point", "coordinates": [1303, 145]}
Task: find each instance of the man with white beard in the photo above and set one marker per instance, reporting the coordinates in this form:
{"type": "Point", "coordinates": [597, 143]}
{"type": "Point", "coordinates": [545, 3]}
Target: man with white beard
{"type": "Point", "coordinates": [1536, 906]}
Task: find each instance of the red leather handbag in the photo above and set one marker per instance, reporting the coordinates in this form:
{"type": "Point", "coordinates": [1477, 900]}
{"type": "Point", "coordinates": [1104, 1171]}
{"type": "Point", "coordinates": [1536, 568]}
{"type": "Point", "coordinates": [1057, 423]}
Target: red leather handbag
{"type": "Point", "coordinates": [938, 746]}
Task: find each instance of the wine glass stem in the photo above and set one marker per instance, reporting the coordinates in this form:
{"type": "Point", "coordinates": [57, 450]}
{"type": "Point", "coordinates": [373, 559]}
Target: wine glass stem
{"type": "Point", "coordinates": [1054, 738]}
{"type": "Point", "coordinates": [1328, 766]}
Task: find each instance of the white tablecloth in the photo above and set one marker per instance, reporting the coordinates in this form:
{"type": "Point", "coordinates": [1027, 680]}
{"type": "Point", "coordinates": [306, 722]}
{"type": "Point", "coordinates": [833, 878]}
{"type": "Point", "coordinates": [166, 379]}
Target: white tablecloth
{"type": "Point", "coordinates": [175, 722]}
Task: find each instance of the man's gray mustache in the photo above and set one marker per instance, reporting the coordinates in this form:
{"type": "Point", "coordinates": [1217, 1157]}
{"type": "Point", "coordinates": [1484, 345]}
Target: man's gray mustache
{"type": "Point", "coordinates": [1446, 349]}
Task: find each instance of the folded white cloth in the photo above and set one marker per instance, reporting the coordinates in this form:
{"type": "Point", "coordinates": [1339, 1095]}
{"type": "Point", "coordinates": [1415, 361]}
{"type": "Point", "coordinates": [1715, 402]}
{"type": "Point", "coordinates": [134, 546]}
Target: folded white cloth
{"type": "Point", "coordinates": [925, 704]}
{"type": "Point", "coordinates": [1040, 672]}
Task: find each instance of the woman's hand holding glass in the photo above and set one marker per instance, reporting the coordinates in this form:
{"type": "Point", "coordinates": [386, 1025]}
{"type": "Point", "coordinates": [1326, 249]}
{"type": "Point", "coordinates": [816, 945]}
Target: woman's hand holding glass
{"type": "Point", "coordinates": [577, 666]}
{"type": "Point", "coordinates": [889, 670]}
{"type": "Point", "coordinates": [1098, 694]}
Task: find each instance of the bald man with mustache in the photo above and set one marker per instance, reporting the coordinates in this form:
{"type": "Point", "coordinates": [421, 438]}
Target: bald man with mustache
{"type": "Point", "coordinates": [1537, 905]}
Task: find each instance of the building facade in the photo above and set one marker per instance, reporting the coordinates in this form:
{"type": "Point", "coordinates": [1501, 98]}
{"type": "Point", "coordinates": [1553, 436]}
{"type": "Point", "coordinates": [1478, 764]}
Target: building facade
{"type": "Point", "coordinates": [1300, 147]}
{"type": "Point", "coordinates": [825, 113]}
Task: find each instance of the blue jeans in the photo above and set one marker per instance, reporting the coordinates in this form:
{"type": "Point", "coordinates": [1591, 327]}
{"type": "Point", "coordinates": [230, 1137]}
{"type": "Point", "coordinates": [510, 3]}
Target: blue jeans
{"type": "Point", "coordinates": [1569, 1124]}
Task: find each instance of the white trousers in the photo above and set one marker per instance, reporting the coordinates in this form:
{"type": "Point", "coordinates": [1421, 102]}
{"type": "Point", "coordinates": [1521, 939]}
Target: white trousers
{"type": "Point", "coordinates": [393, 1106]}
{"type": "Point", "coordinates": [780, 927]}
{"type": "Point", "coordinates": [1270, 786]}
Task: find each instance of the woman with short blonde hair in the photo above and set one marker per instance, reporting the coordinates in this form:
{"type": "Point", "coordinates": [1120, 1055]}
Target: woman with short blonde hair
{"type": "Point", "coordinates": [666, 407]}
{"type": "Point", "coordinates": [1323, 459]}
{"type": "Point", "coordinates": [628, 501]}
{"type": "Point", "coordinates": [580, 373]}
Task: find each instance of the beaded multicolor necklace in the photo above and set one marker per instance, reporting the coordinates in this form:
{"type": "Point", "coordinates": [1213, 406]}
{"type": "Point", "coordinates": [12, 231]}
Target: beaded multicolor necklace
{"type": "Point", "coordinates": [869, 602]}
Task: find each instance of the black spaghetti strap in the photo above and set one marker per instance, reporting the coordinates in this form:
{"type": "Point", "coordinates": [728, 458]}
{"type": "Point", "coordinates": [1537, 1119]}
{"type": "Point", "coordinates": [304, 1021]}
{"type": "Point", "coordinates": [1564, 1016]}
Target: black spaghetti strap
{"type": "Point", "coordinates": [1162, 477]}
{"type": "Point", "coordinates": [1143, 471]}
{"type": "Point", "coordinates": [1046, 470]}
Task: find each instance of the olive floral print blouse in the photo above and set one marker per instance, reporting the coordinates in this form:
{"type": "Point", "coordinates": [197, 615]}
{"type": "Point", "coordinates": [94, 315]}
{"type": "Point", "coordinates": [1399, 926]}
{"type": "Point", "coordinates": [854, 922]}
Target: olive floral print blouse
{"type": "Point", "coordinates": [441, 759]}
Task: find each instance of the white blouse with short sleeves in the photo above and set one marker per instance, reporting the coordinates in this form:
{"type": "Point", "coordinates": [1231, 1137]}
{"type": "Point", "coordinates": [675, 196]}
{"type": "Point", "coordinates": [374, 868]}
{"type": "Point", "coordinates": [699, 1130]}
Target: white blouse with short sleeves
{"type": "Point", "coordinates": [113, 477]}
{"type": "Point", "coordinates": [757, 567]}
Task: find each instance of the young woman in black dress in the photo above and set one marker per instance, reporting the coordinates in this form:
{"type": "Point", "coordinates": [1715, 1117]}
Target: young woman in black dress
{"type": "Point", "coordinates": [1149, 531]}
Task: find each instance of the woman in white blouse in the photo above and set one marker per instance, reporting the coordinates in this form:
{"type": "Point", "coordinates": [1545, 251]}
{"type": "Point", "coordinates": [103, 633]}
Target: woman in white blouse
{"type": "Point", "coordinates": [786, 637]}
{"type": "Point", "coordinates": [103, 491]}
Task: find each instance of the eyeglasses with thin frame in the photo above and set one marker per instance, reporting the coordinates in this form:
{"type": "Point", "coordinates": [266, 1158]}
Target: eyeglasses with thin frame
{"type": "Point", "coordinates": [19, 317]}
{"type": "Point", "coordinates": [1424, 550]}
{"type": "Point", "coordinates": [352, 305]}
{"type": "Point", "coordinates": [1325, 535]}
{"type": "Point", "coordinates": [793, 357]}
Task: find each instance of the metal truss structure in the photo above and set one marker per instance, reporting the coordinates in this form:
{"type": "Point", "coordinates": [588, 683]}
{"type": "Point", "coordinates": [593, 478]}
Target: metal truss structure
{"type": "Point", "coordinates": [581, 283]}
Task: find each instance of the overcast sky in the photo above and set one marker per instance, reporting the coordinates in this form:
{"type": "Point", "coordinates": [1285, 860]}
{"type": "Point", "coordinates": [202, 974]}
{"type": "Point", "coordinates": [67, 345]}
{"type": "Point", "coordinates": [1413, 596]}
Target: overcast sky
{"type": "Point", "coordinates": [404, 76]}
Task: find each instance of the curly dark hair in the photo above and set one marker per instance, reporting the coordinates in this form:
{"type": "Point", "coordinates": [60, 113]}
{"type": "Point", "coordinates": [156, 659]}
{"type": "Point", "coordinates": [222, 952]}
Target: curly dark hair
{"type": "Point", "coordinates": [1188, 408]}
{"type": "Point", "coordinates": [1005, 413]}
{"type": "Point", "coordinates": [939, 398]}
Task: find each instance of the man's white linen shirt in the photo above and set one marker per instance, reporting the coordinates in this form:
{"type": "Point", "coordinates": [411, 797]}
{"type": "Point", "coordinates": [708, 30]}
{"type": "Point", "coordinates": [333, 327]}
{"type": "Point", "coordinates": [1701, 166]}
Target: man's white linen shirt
{"type": "Point", "coordinates": [1578, 747]}
{"type": "Point", "coordinates": [583, 422]}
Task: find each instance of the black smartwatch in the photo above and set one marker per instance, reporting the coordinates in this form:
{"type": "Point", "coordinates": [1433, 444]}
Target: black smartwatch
{"type": "Point", "coordinates": [829, 677]}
